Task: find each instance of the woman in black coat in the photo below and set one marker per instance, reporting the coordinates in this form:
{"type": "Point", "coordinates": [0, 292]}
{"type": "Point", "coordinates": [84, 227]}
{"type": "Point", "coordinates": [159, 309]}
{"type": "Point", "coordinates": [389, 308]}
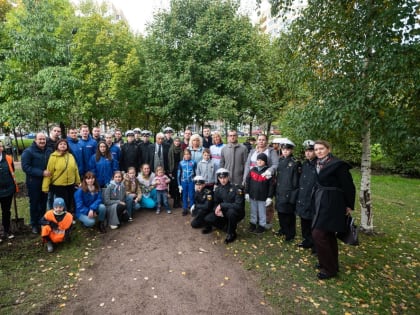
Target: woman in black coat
{"type": "Point", "coordinates": [334, 199]}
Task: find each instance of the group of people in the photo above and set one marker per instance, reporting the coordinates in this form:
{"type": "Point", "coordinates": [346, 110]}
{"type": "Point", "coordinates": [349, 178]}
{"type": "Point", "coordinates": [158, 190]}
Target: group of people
{"type": "Point", "coordinates": [105, 180]}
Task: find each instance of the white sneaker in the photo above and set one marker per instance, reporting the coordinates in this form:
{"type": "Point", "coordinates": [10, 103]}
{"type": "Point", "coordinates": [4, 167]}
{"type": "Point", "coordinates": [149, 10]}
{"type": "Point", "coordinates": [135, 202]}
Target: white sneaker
{"type": "Point", "coordinates": [113, 227]}
{"type": "Point", "coordinates": [50, 247]}
{"type": "Point", "coordinates": [157, 211]}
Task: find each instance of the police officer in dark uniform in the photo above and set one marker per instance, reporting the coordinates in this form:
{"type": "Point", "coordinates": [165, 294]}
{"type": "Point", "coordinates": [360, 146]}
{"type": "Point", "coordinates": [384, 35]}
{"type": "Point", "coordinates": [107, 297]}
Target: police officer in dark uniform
{"type": "Point", "coordinates": [287, 188]}
{"type": "Point", "coordinates": [304, 206]}
{"type": "Point", "coordinates": [137, 135]}
{"type": "Point", "coordinates": [168, 132]}
{"type": "Point", "coordinates": [143, 146]}
{"type": "Point", "coordinates": [229, 206]}
{"type": "Point", "coordinates": [130, 154]}
{"type": "Point", "coordinates": [203, 203]}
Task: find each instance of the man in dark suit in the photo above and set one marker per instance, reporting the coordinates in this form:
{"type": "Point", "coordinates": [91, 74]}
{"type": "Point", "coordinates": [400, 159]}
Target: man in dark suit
{"type": "Point", "coordinates": [157, 154]}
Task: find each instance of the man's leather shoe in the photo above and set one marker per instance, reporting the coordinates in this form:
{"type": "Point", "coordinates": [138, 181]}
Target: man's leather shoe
{"type": "Point", "coordinates": [324, 276]}
{"type": "Point", "coordinates": [304, 245]}
{"type": "Point", "coordinates": [207, 230]}
{"type": "Point", "coordinates": [230, 238]}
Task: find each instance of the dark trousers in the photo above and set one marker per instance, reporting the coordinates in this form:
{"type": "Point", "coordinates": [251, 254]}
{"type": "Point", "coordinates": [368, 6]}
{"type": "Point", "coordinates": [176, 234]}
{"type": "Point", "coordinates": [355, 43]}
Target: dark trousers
{"type": "Point", "coordinates": [327, 249]}
{"type": "Point", "coordinates": [174, 192]}
{"type": "Point", "coordinates": [65, 192]}
{"type": "Point", "coordinates": [306, 226]}
{"type": "Point", "coordinates": [37, 202]}
{"type": "Point", "coordinates": [6, 203]}
{"type": "Point", "coordinates": [230, 220]}
{"type": "Point", "coordinates": [288, 225]}
{"type": "Point", "coordinates": [199, 220]}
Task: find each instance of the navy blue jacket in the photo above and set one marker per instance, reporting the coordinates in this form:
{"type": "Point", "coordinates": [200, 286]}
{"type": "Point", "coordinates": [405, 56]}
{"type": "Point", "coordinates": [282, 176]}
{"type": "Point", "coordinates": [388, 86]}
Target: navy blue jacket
{"type": "Point", "coordinates": [34, 162]}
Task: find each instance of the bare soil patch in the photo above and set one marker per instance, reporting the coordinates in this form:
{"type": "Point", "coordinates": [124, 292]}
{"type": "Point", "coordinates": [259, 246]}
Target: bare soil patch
{"type": "Point", "coordinates": [158, 264]}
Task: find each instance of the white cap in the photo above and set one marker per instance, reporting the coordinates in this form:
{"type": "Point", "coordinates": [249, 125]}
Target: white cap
{"type": "Point", "coordinates": [199, 179]}
{"type": "Point", "coordinates": [222, 171]}
{"type": "Point", "coordinates": [129, 132]}
{"type": "Point", "coordinates": [288, 143]}
{"type": "Point", "coordinates": [279, 140]}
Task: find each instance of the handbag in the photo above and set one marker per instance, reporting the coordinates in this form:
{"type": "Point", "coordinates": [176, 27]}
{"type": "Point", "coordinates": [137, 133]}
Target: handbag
{"type": "Point", "coordinates": [351, 236]}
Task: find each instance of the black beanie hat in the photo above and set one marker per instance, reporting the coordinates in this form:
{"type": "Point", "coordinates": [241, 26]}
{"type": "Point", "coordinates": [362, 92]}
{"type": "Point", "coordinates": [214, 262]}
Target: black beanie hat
{"type": "Point", "coordinates": [262, 156]}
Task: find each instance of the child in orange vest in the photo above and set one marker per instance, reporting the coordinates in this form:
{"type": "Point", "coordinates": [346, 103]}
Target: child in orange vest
{"type": "Point", "coordinates": [56, 224]}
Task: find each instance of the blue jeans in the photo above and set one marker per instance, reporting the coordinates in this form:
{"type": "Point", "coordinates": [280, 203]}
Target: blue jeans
{"type": "Point", "coordinates": [187, 194]}
{"type": "Point", "coordinates": [129, 200]}
{"type": "Point", "coordinates": [162, 199]}
{"type": "Point", "coordinates": [149, 201]}
{"type": "Point", "coordinates": [89, 222]}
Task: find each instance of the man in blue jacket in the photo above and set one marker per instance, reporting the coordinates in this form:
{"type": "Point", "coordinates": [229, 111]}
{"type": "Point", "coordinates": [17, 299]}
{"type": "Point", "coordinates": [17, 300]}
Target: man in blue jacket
{"type": "Point", "coordinates": [34, 164]}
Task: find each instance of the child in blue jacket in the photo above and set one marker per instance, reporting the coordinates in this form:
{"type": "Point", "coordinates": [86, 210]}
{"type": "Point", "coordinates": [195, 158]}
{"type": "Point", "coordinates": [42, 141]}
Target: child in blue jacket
{"type": "Point", "coordinates": [185, 176]}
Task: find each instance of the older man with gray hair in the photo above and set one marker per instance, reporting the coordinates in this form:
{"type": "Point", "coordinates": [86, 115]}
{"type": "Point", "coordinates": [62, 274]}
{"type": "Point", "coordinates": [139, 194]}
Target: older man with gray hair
{"type": "Point", "coordinates": [157, 154]}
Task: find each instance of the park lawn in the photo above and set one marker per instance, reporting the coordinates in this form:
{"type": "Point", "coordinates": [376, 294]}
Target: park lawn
{"type": "Point", "coordinates": [377, 277]}
{"type": "Point", "coordinates": [380, 276]}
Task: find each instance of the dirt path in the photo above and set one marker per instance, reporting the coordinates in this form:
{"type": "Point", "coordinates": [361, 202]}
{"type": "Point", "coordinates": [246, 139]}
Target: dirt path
{"type": "Point", "coordinates": [158, 264]}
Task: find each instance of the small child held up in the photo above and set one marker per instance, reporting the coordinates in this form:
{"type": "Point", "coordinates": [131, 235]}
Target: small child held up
{"type": "Point", "coordinates": [161, 182]}
{"type": "Point", "coordinates": [259, 191]}
{"type": "Point", "coordinates": [56, 224]}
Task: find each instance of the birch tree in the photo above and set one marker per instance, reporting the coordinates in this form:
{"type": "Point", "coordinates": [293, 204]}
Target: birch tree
{"type": "Point", "coordinates": [356, 57]}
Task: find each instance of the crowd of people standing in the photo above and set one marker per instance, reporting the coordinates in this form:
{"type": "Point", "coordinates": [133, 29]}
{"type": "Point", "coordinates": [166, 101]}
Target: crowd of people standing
{"type": "Point", "coordinates": [105, 180]}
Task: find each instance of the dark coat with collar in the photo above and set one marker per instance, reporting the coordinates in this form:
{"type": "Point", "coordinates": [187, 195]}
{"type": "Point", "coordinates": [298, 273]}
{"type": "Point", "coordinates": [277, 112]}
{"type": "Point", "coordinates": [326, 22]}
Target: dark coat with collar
{"type": "Point", "coordinates": [334, 192]}
{"type": "Point", "coordinates": [287, 186]}
{"type": "Point", "coordinates": [307, 180]}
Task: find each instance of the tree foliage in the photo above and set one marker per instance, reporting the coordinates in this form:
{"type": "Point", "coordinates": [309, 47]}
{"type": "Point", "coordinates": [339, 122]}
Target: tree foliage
{"type": "Point", "coordinates": [201, 63]}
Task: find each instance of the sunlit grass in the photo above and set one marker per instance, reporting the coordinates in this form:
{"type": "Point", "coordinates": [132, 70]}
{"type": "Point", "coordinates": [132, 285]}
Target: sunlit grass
{"type": "Point", "coordinates": [378, 277]}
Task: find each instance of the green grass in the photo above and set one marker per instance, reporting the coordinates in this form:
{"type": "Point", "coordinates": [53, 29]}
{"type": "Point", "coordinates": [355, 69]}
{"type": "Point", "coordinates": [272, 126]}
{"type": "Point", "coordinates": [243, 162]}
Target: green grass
{"type": "Point", "coordinates": [35, 282]}
{"type": "Point", "coordinates": [378, 277]}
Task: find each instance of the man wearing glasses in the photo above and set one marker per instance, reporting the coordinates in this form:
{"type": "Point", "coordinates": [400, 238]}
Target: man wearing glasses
{"type": "Point", "coordinates": [234, 156]}
{"type": "Point", "coordinates": [229, 206]}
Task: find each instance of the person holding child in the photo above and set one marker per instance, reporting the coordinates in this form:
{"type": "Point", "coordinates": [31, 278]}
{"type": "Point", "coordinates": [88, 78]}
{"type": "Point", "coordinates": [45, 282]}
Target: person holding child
{"type": "Point", "coordinates": [259, 191]}
{"type": "Point", "coordinates": [114, 200]}
{"type": "Point", "coordinates": [56, 224]}
{"type": "Point", "coordinates": [161, 182]}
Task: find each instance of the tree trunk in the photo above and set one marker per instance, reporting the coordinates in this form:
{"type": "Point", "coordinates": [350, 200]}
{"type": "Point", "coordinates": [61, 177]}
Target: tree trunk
{"type": "Point", "coordinates": [364, 196]}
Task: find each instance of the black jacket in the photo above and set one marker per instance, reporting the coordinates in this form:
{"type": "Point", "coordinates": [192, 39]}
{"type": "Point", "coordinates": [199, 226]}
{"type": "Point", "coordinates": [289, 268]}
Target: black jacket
{"type": "Point", "coordinates": [130, 156]}
{"type": "Point", "coordinates": [334, 192]}
{"type": "Point", "coordinates": [257, 186]}
{"type": "Point", "coordinates": [287, 186]}
{"type": "Point", "coordinates": [230, 196]}
{"type": "Point", "coordinates": [203, 201]}
{"type": "Point", "coordinates": [304, 205]}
